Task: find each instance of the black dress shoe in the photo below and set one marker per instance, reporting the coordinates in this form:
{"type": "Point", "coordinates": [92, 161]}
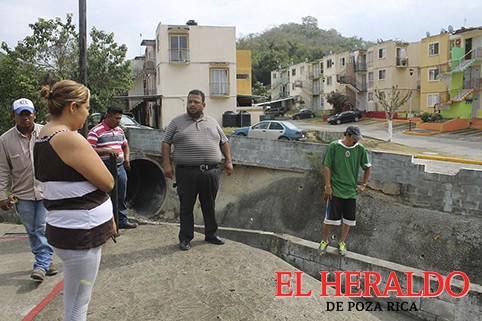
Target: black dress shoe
{"type": "Point", "coordinates": [184, 245]}
{"type": "Point", "coordinates": [127, 225]}
{"type": "Point", "coordinates": [214, 239]}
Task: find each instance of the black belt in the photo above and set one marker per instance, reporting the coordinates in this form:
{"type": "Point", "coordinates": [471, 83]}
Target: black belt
{"type": "Point", "coordinates": [202, 167]}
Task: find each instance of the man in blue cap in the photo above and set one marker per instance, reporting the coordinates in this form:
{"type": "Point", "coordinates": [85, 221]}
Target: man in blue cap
{"type": "Point", "coordinates": [16, 164]}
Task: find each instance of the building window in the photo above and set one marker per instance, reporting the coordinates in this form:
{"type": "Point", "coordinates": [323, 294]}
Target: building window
{"type": "Point", "coordinates": [178, 48]}
{"type": "Point", "coordinates": [244, 76]}
{"type": "Point", "coordinates": [382, 53]}
{"type": "Point", "coordinates": [302, 70]}
{"type": "Point", "coordinates": [370, 96]}
{"type": "Point", "coordinates": [433, 74]}
{"type": "Point", "coordinates": [219, 82]}
{"type": "Point", "coordinates": [329, 81]}
{"type": "Point", "coordinates": [293, 72]}
{"type": "Point", "coordinates": [342, 61]}
{"type": "Point", "coordinates": [382, 74]}
{"type": "Point", "coordinates": [329, 63]}
{"type": "Point", "coordinates": [370, 79]}
{"type": "Point", "coordinates": [433, 49]}
{"type": "Point", "coordinates": [432, 99]}
{"type": "Point", "coordinates": [370, 59]}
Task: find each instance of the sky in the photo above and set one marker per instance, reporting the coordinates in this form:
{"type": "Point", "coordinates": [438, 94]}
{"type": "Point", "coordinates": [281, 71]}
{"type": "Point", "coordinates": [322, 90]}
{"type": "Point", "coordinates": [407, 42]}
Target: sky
{"type": "Point", "coordinates": [132, 21]}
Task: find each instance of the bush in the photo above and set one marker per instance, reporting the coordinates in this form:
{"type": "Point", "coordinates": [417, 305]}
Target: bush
{"type": "Point", "coordinates": [425, 117]}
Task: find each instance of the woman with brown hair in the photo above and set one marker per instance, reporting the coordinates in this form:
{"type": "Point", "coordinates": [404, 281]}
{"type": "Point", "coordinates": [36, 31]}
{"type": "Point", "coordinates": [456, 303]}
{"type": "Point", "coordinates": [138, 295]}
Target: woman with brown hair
{"type": "Point", "coordinates": [75, 184]}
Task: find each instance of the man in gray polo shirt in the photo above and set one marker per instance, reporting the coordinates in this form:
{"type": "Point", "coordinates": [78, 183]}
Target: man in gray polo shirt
{"type": "Point", "coordinates": [199, 146]}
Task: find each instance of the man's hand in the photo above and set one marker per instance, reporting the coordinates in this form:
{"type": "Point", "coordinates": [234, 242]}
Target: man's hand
{"type": "Point", "coordinates": [328, 193]}
{"type": "Point", "coordinates": [6, 204]}
{"type": "Point", "coordinates": [228, 167]}
{"type": "Point", "coordinates": [127, 164]}
{"type": "Point", "coordinates": [168, 172]}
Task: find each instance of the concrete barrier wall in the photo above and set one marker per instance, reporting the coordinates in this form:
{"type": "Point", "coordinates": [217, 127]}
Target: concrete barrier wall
{"type": "Point", "coordinates": [392, 174]}
{"type": "Point", "coordinates": [305, 256]}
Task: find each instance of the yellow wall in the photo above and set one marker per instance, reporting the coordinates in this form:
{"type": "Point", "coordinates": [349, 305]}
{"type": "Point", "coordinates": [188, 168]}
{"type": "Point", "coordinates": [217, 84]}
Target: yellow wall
{"type": "Point", "coordinates": [433, 61]}
{"type": "Point", "coordinates": [243, 67]}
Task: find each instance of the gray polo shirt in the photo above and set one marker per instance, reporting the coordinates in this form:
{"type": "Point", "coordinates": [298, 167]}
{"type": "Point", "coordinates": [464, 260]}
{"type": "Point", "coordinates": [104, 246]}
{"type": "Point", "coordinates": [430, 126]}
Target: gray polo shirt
{"type": "Point", "coordinates": [16, 162]}
{"type": "Point", "coordinates": [195, 142]}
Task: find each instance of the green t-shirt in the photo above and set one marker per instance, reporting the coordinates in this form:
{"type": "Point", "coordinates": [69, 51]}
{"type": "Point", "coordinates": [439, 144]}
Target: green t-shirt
{"type": "Point", "coordinates": [344, 163]}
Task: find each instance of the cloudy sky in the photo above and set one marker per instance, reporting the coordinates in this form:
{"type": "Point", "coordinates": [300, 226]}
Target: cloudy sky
{"type": "Point", "coordinates": [407, 20]}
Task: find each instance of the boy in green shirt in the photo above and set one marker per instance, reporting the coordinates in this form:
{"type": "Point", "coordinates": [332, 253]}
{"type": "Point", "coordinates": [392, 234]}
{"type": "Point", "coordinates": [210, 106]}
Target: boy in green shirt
{"type": "Point", "coordinates": [341, 161]}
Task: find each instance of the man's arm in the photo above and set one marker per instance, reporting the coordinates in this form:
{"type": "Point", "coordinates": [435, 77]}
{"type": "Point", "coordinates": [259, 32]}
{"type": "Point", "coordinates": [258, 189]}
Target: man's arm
{"type": "Point", "coordinates": [228, 162]}
{"type": "Point", "coordinates": [166, 160]}
{"type": "Point", "coordinates": [126, 150]}
{"type": "Point", "coordinates": [4, 179]}
{"type": "Point", "coordinates": [366, 174]}
{"type": "Point", "coordinates": [328, 190]}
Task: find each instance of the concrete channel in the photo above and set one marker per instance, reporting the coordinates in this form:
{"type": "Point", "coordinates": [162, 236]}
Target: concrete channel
{"type": "Point", "coordinates": [417, 219]}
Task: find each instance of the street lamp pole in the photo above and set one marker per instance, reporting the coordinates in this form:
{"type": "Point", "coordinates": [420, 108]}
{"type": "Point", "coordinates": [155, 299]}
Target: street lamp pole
{"type": "Point", "coordinates": [410, 116]}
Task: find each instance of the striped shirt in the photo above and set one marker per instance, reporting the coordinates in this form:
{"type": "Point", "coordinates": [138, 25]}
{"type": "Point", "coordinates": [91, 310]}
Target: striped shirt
{"type": "Point", "coordinates": [16, 162]}
{"type": "Point", "coordinates": [104, 137]}
{"type": "Point", "coordinates": [195, 141]}
{"type": "Point", "coordinates": [78, 214]}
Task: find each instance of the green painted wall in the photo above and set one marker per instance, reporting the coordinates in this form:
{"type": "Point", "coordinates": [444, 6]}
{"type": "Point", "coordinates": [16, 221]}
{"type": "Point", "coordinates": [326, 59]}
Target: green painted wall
{"type": "Point", "coordinates": [458, 109]}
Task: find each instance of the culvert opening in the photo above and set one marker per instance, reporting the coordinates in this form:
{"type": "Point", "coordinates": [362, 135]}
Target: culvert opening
{"type": "Point", "coordinates": [146, 188]}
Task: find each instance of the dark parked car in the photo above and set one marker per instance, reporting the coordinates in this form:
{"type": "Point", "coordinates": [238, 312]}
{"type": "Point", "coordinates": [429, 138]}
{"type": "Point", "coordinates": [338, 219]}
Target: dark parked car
{"type": "Point", "coordinates": [303, 113]}
{"type": "Point", "coordinates": [345, 117]}
{"type": "Point", "coordinates": [277, 111]}
{"type": "Point", "coordinates": [274, 129]}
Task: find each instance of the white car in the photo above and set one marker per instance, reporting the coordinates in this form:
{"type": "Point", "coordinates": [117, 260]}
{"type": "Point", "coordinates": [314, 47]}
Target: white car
{"type": "Point", "coordinates": [272, 129]}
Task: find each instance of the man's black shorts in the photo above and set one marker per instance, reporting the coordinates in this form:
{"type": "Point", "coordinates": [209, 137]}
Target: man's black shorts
{"type": "Point", "coordinates": [338, 208]}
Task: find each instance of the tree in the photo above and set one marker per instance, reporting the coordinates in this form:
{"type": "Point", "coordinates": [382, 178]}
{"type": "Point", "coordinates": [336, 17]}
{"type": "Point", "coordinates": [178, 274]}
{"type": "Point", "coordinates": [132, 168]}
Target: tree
{"type": "Point", "coordinates": [260, 90]}
{"type": "Point", "coordinates": [50, 54]}
{"type": "Point", "coordinates": [337, 100]}
{"type": "Point", "coordinates": [391, 102]}
{"type": "Point", "coordinates": [292, 42]}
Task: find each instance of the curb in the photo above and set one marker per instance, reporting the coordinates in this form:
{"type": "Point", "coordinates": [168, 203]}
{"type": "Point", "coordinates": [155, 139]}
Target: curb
{"type": "Point", "coordinates": [420, 134]}
{"type": "Point", "coordinates": [449, 159]}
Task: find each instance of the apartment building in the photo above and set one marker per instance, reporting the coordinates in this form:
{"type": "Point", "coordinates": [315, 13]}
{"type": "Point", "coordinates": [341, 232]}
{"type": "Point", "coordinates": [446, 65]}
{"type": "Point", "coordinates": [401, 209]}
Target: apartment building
{"type": "Point", "coordinates": [393, 63]}
{"type": "Point", "coordinates": [182, 58]}
{"type": "Point", "coordinates": [337, 73]}
{"type": "Point", "coordinates": [434, 60]}
{"type": "Point", "coordinates": [462, 75]}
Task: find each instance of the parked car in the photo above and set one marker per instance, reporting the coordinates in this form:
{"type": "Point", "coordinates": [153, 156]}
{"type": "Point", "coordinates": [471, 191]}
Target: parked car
{"type": "Point", "coordinates": [303, 113]}
{"type": "Point", "coordinates": [277, 111]}
{"type": "Point", "coordinates": [272, 129]}
{"type": "Point", "coordinates": [126, 121]}
{"type": "Point", "coordinates": [345, 117]}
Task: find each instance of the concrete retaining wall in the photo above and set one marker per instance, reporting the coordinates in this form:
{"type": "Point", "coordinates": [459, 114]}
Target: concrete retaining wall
{"type": "Point", "coordinates": [392, 174]}
{"type": "Point", "coordinates": [304, 255]}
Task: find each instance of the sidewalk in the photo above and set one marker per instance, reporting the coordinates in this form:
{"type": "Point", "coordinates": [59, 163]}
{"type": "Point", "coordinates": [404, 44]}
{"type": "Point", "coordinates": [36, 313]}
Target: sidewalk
{"type": "Point", "coordinates": [145, 277]}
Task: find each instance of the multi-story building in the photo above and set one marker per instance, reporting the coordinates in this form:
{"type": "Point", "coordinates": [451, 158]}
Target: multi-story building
{"type": "Point", "coordinates": [434, 60]}
{"type": "Point", "coordinates": [182, 58]}
{"type": "Point", "coordinates": [463, 76]}
{"type": "Point", "coordinates": [393, 63]}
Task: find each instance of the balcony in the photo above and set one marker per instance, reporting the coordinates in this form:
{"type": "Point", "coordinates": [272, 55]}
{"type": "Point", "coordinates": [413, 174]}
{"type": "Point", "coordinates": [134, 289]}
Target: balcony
{"type": "Point", "coordinates": [402, 62]}
{"type": "Point", "coordinates": [179, 55]}
{"type": "Point", "coordinates": [360, 66]}
{"type": "Point", "coordinates": [149, 67]}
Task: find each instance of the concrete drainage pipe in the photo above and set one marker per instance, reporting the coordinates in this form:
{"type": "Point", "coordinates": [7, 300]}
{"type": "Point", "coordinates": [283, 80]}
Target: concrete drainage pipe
{"type": "Point", "coordinates": [146, 188]}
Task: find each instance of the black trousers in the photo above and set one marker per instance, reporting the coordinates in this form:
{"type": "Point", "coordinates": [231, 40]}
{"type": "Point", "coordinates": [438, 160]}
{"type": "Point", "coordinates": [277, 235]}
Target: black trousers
{"type": "Point", "coordinates": [191, 183]}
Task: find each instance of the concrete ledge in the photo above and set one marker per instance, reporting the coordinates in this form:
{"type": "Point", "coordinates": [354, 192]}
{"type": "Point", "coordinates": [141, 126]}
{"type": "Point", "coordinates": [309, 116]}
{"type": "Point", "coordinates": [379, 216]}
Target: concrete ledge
{"type": "Point", "coordinates": [449, 159]}
{"type": "Point", "coordinates": [304, 255]}
{"type": "Point", "coordinates": [421, 133]}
